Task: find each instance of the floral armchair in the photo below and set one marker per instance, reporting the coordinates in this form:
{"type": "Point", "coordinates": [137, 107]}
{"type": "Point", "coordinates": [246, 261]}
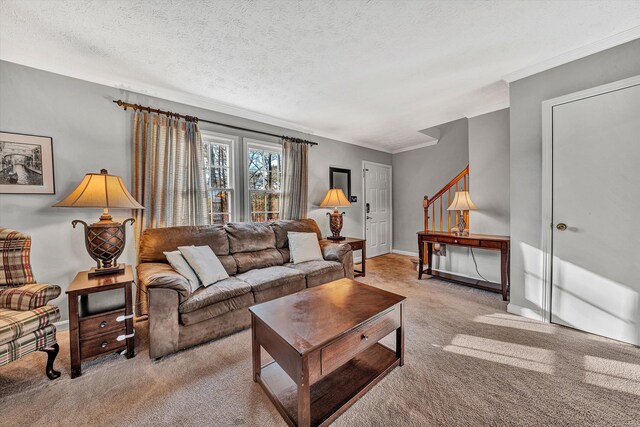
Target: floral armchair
{"type": "Point", "coordinates": [26, 319]}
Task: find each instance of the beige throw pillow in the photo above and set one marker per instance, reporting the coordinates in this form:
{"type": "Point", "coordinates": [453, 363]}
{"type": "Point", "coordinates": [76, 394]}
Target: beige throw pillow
{"type": "Point", "coordinates": [181, 266]}
{"type": "Point", "coordinates": [304, 247]}
{"type": "Point", "coordinates": [205, 263]}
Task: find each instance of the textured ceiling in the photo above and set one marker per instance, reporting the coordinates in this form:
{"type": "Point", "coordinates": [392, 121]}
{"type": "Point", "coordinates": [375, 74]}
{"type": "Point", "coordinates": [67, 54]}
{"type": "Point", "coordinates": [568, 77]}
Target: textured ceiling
{"type": "Point", "coordinates": [367, 72]}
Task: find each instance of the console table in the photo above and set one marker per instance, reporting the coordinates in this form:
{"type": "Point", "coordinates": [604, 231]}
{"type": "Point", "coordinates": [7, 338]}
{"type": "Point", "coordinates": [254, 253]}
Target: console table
{"type": "Point", "coordinates": [481, 241]}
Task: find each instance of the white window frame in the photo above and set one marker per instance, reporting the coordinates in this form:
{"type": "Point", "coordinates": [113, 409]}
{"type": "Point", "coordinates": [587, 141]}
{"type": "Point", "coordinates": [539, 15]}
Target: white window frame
{"type": "Point", "coordinates": [235, 193]}
{"type": "Point", "coordinates": [250, 143]}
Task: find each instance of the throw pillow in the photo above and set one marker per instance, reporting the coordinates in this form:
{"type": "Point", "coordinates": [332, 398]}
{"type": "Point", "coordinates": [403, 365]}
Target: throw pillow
{"type": "Point", "coordinates": [181, 266]}
{"type": "Point", "coordinates": [304, 247]}
{"type": "Point", "coordinates": [205, 263]}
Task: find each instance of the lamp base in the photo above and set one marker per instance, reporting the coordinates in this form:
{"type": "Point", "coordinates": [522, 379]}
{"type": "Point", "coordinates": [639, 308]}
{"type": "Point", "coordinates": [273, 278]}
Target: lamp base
{"type": "Point", "coordinates": [95, 271]}
{"type": "Point", "coordinates": [336, 237]}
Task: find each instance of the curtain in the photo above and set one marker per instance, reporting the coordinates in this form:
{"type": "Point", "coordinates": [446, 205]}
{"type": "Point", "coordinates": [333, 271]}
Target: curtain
{"type": "Point", "coordinates": [295, 166]}
{"type": "Point", "coordinates": [168, 175]}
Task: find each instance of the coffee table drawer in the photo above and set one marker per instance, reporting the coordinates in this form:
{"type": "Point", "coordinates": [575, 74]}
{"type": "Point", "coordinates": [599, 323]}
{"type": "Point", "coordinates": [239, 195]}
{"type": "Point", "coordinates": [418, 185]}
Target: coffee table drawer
{"type": "Point", "coordinates": [347, 347]}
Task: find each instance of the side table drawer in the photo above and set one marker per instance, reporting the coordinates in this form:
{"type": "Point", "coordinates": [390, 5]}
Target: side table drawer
{"type": "Point", "coordinates": [101, 323]}
{"type": "Point", "coordinates": [101, 344]}
{"type": "Point", "coordinates": [347, 347]}
{"type": "Point", "coordinates": [356, 246]}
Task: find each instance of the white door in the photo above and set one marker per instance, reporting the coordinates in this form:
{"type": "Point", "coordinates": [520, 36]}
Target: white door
{"type": "Point", "coordinates": [596, 194]}
{"type": "Point", "coordinates": [377, 190]}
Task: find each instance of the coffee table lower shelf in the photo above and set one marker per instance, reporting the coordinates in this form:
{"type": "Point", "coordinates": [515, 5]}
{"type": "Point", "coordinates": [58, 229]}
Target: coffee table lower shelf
{"type": "Point", "coordinates": [333, 394]}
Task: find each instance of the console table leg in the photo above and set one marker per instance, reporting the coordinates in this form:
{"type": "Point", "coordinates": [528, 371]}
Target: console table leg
{"type": "Point", "coordinates": [420, 258]}
{"type": "Point", "coordinates": [429, 257]}
{"type": "Point", "coordinates": [503, 273]}
{"type": "Point", "coordinates": [400, 337]}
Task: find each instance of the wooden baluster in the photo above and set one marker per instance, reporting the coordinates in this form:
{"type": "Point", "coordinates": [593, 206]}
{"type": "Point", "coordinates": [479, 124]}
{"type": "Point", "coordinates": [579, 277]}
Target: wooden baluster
{"type": "Point", "coordinates": [440, 213]}
{"type": "Point", "coordinates": [465, 183]}
{"type": "Point", "coordinates": [433, 216]}
{"type": "Point", "coordinates": [448, 212]}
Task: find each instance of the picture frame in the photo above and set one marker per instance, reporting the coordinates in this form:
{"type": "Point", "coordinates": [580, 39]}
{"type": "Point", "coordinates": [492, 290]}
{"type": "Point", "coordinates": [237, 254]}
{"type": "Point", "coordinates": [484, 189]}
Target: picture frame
{"type": "Point", "coordinates": [26, 164]}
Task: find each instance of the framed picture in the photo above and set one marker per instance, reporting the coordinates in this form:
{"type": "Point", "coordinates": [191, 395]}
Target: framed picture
{"type": "Point", "coordinates": [340, 178]}
{"type": "Point", "coordinates": [26, 164]}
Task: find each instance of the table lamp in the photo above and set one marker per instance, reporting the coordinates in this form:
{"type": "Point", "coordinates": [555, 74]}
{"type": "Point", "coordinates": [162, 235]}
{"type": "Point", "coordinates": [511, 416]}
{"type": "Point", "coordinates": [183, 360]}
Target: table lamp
{"type": "Point", "coordinates": [335, 198]}
{"type": "Point", "coordinates": [461, 202]}
{"type": "Point", "coordinates": [105, 239]}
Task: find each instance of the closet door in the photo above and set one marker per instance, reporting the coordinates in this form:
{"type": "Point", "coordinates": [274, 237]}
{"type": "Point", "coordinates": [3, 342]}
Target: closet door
{"type": "Point", "coordinates": [596, 212]}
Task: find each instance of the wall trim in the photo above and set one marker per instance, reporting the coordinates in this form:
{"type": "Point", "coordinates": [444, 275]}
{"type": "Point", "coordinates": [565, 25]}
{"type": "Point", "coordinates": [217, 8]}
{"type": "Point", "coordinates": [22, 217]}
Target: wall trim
{"type": "Point", "coordinates": [62, 325]}
{"type": "Point", "coordinates": [524, 312]}
{"type": "Point", "coordinates": [572, 55]}
{"type": "Point", "coordinates": [407, 253]}
{"type": "Point", "coordinates": [547, 180]}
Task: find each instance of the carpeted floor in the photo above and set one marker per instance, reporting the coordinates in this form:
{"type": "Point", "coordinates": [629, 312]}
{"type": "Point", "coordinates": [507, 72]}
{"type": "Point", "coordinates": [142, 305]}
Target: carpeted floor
{"type": "Point", "coordinates": [468, 363]}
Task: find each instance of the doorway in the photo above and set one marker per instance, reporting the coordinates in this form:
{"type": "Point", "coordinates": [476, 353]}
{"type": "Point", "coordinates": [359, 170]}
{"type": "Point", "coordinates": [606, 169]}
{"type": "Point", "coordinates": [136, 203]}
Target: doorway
{"type": "Point", "coordinates": [378, 208]}
{"type": "Point", "coordinates": [593, 146]}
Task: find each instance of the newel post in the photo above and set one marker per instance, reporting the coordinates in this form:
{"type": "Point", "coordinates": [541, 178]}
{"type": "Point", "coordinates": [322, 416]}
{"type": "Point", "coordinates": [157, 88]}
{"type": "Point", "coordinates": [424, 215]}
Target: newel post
{"type": "Point", "coordinates": [425, 206]}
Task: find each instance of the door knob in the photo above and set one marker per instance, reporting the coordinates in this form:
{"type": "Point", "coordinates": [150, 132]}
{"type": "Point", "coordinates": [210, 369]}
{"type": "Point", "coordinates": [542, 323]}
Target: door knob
{"type": "Point", "coordinates": [369, 217]}
{"type": "Point", "coordinates": [561, 226]}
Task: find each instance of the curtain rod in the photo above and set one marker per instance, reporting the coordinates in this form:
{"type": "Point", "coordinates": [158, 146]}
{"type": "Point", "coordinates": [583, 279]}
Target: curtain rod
{"type": "Point", "coordinates": [126, 105]}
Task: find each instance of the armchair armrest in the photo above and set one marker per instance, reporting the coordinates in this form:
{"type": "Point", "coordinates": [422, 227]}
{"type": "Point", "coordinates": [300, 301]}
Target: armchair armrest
{"type": "Point", "coordinates": [28, 297]}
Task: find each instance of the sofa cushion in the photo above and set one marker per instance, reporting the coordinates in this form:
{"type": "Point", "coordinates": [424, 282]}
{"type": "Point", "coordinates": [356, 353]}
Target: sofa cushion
{"type": "Point", "coordinates": [156, 241]}
{"type": "Point", "coordinates": [270, 277]}
{"type": "Point", "coordinates": [182, 267]}
{"type": "Point", "coordinates": [279, 291]}
{"type": "Point", "coordinates": [205, 263]}
{"type": "Point", "coordinates": [281, 228]}
{"type": "Point", "coordinates": [217, 309]}
{"type": "Point", "coordinates": [259, 259]}
{"type": "Point", "coordinates": [304, 247]}
{"type": "Point", "coordinates": [319, 272]}
{"type": "Point", "coordinates": [15, 324]}
{"type": "Point", "coordinates": [250, 237]}
{"type": "Point", "coordinates": [223, 290]}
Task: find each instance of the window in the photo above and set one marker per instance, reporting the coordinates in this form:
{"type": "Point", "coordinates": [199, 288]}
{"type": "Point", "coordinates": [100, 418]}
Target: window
{"type": "Point", "coordinates": [264, 176]}
{"type": "Point", "coordinates": [218, 171]}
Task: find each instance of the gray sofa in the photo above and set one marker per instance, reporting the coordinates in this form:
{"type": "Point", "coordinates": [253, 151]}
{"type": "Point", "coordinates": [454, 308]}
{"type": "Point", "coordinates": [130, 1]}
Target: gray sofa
{"type": "Point", "coordinates": [256, 256]}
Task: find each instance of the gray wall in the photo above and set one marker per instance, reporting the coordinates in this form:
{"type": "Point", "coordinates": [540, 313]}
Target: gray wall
{"type": "Point", "coordinates": [89, 133]}
{"type": "Point", "coordinates": [489, 189]}
{"type": "Point", "coordinates": [526, 98]}
{"type": "Point", "coordinates": [421, 172]}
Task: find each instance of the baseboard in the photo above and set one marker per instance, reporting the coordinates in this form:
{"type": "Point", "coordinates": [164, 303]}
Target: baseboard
{"type": "Point", "coordinates": [524, 312]}
{"type": "Point", "coordinates": [399, 252]}
{"type": "Point", "coordinates": [62, 325]}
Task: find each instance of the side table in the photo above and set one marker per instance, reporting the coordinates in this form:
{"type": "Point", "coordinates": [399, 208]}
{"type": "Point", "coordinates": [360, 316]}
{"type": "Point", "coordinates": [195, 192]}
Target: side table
{"type": "Point", "coordinates": [357, 244]}
{"type": "Point", "coordinates": [92, 335]}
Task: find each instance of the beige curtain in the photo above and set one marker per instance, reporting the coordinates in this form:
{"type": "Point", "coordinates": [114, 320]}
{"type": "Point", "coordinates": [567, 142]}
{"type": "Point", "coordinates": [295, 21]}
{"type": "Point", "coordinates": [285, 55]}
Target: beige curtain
{"type": "Point", "coordinates": [295, 166]}
{"type": "Point", "coordinates": [168, 176]}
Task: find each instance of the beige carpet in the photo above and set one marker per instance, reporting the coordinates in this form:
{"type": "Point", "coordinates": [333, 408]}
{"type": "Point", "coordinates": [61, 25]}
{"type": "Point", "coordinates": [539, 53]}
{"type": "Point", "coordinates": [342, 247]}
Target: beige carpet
{"type": "Point", "coordinates": [468, 363]}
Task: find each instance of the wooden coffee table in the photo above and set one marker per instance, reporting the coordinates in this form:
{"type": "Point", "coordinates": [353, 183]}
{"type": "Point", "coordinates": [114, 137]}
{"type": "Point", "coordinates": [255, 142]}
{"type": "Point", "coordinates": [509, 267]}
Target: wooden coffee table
{"type": "Point", "coordinates": [324, 342]}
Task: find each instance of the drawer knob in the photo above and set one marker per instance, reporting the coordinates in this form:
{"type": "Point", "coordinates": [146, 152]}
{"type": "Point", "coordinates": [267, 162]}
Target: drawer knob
{"type": "Point", "coordinates": [103, 324]}
{"type": "Point", "coordinates": [365, 337]}
{"type": "Point", "coordinates": [455, 241]}
{"type": "Point", "coordinates": [104, 344]}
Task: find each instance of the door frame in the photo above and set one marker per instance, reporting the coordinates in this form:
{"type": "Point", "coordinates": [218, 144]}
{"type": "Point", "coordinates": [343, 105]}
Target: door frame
{"type": "Point", "coordinates": [547, 179]}
{"type": "Point", "coordinates": [364, 201]}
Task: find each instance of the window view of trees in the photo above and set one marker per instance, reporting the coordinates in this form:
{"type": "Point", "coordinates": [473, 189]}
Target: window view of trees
{"type": "Point", "coordinates": [265, 175]}
{"type": "Point", "coordinates": [218, 176]}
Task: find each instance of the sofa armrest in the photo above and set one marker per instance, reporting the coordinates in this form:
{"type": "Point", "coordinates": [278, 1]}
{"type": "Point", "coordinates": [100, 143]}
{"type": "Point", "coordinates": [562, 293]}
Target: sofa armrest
{"type": "Point", "coordinates": [161, 275]}
{"type": "Point", "coordinates": [340, 252]}
{"type": "Point", "coordinates": [28, 297]}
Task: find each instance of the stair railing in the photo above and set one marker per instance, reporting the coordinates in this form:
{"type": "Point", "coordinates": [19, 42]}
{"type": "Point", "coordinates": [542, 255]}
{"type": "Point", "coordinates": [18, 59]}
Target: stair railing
{"type": "Point", "coordinates": [437, 204]}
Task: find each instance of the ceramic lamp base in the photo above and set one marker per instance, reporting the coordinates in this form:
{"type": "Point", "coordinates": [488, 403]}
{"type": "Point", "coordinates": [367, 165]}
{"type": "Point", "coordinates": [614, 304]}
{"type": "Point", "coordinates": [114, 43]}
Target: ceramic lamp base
{"type": "Point", "coordinates": [335, 225]}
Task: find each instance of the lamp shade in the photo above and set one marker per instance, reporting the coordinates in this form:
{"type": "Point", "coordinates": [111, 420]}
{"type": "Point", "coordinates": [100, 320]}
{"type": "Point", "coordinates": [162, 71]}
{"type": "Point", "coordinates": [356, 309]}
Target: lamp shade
{"type": "Point", "coordinates": [461, 202]}
{"type": "Point", "coordinates": [100, 190]}
{"type": "Point", "coordinates": [335, 198]}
